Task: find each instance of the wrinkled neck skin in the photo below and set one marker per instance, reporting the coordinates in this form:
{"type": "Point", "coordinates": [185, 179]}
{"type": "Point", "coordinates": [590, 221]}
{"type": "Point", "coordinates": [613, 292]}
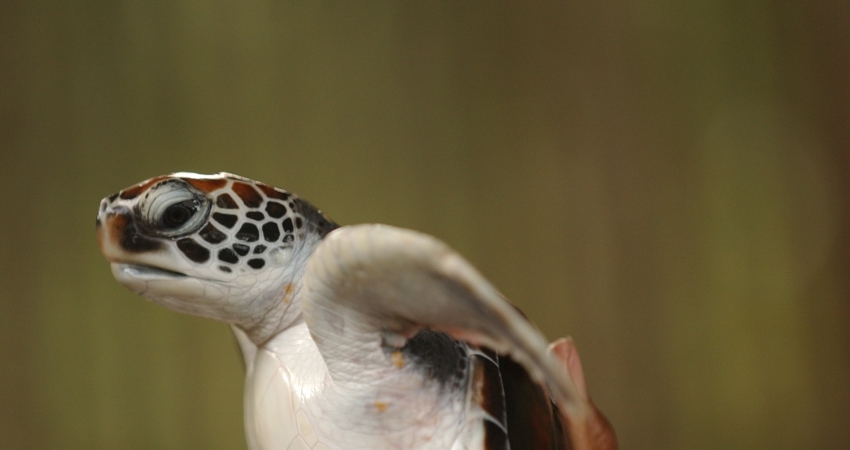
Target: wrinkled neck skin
{"type": "Point", "coordinates": [274, 310]}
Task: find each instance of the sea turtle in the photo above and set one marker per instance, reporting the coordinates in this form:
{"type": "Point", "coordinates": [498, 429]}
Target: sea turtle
{"type": "Point", "coordinates": [357, 337]}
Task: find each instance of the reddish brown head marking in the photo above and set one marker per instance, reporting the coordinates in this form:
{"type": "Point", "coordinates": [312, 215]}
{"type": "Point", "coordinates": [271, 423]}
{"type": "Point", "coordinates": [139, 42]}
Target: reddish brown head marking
{"type": "Point", "coordinates": [206, 185]}
{"type": "Point", "coordinates": [249, 195]}
{"type": "Point", "coordinates": [121, 229]}
{"type": "Point", "coordinates": [133, 192]}
{"type": "Point", "coordinates": [272, 192]}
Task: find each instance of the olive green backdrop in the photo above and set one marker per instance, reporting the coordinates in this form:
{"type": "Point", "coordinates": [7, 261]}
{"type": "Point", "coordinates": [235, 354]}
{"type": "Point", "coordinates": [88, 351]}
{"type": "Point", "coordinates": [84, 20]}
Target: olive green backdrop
{"type": "Point", "coordinates": [665, 181]}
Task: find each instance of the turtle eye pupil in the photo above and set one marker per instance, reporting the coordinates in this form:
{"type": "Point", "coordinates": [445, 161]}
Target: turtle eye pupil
{"type": "Point", "coordinates": [178, 214]}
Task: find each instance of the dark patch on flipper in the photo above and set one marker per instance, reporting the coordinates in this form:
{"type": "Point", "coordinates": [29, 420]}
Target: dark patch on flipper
{"type": "Point", "coordinates": [316, 220]}
{"type": "Point", "coordinates": [440, 357]}
{"type": "Point", "coordinates": [456, 365]}
{"type": "Point", "coordinates": [531, 416]}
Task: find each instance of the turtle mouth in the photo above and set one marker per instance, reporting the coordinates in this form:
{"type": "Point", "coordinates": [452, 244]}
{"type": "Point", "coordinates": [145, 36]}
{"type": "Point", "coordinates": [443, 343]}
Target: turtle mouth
{"type": "Point", "coordinates": [146, 272]}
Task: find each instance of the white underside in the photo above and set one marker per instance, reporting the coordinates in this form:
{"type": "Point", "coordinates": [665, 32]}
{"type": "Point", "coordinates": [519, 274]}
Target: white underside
{"type": "Point", "coordinates": [292, 404]}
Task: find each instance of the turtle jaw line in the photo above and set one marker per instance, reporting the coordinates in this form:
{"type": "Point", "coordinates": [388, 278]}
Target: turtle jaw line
{"type": "Point", "coordinates": [142, 271]}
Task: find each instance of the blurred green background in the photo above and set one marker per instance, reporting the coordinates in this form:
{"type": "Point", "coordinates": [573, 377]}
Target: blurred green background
{"type": "Point", "coordinates": [665, 181]}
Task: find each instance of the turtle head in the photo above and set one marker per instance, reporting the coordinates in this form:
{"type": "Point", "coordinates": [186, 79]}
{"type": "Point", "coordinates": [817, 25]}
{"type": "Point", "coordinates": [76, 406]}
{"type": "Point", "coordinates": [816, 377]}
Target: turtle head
{"type": "Point", "coordinates": [218, 246]}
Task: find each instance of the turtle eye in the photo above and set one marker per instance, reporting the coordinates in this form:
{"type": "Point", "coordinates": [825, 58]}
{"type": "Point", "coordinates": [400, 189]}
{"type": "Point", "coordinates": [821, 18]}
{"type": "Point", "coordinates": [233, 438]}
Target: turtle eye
{"type": "Point", "coordinates": [179, 213]}
{"type": "Point", "coordinates": [173, 208]}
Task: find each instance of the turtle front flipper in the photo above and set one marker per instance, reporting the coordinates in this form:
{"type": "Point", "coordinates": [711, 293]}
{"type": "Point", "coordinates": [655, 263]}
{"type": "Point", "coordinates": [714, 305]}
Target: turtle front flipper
{"type": "Point", "coordinates": [369, 289]}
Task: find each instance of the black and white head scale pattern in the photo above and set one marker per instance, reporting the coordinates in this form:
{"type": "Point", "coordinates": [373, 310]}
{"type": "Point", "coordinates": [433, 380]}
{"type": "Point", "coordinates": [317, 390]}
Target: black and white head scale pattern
{"type": "Point", "coordinates": [247, 222]}
{"type": "Point", "coordinates": [251, 221]}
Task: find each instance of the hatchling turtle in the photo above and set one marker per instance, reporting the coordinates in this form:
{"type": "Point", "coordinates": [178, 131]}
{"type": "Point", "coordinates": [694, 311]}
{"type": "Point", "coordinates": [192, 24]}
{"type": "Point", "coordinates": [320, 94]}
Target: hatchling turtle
{"type": "Point", "coordinates": [355, 337]}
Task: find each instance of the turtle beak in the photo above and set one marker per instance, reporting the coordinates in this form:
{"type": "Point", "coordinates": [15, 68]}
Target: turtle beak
{"type": "Point", "coordinates": [118, 235]}
{"type": "Point", "coordinates": [124, 246]}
